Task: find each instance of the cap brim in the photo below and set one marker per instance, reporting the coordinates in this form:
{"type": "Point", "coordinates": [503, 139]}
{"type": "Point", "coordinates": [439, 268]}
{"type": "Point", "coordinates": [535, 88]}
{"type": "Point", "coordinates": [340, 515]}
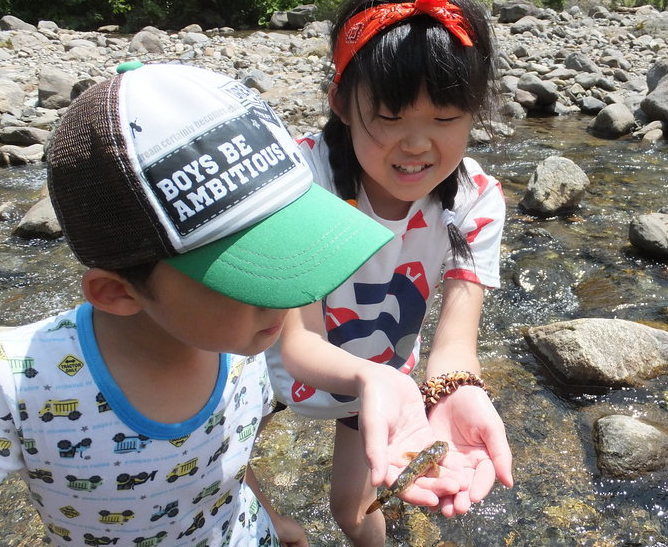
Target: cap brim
{"type": "Point", "coordinates": [296, 256]}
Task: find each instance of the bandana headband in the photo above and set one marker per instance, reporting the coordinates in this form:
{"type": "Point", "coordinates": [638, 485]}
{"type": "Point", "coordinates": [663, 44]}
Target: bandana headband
{"type": "Point", "coordinates": [363, 26]}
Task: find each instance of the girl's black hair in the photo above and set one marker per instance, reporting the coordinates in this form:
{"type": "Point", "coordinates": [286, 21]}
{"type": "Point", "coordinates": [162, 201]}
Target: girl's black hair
{"type": "Point", "coordinates": [393, 66]}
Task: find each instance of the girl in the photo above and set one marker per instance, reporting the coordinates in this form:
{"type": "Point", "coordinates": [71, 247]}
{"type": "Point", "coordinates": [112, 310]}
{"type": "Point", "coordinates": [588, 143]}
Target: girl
{"type": "Point", "coordinates": [410, 79]}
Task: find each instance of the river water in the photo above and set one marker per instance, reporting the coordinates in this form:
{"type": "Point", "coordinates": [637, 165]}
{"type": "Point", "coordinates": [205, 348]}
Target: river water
{"type": "Point", "coordinates": [552, 269]}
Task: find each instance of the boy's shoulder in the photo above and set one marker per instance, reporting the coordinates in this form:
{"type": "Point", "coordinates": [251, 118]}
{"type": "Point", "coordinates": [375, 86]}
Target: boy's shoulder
{"type": "Point", "coordinates": [51, 329]}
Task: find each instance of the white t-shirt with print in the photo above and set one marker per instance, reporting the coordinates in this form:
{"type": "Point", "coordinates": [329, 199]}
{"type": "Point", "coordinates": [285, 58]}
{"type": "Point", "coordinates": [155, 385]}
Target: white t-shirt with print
{"type": "Point", "coordinates": [378, 312]}
{"type": "Point", "coordinates": [100, 472]}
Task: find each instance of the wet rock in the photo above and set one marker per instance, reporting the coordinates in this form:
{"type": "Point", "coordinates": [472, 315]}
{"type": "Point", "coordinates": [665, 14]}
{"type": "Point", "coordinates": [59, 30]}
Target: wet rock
{"type": "Point", "coordinates": [600, 352]}
{"type": "Point", "coordinates": [581, 63]}
{"type": "Point", "coordinates": [652, 137]}
{"type": "Point", "coordinates": [655, 105]}
{"type": "Point", "coordinates": [39, 222]}
{"type": "Point", "coordinates": [145, 41]}
{"type": "Point", "coordinates": [19, 155]}
{"type": "Point", "coordinates": [9, 22]}
{"type": "Point", "coordinates": [9, 211]}
{"type": "Point", "coordinates": [54, 88]}
{"type": "Point", "coordinates": [649, 233]}
{"type": "Point", "coordinates": [557, 185]}
{"type": "Point", "coordinates": [11, 96]}
{"type": "Point", "coordinates": [23, 136]}
{"type": "Point", "coordinates": [627, 447]}
{"type": "Point", "coordinates": [613, 121]}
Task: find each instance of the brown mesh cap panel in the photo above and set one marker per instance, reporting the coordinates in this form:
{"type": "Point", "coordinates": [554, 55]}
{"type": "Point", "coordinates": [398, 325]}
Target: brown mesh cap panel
{"type": "Point", "coordinates": [95, 192]}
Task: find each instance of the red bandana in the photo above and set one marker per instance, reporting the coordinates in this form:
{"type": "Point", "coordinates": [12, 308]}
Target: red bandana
{"type": "Point", "coordinates": [359, 29]}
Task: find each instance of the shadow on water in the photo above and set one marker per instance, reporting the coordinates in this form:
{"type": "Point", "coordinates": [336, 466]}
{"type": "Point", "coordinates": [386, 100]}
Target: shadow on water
{"type": "Point", "coordinates": [552, 269]}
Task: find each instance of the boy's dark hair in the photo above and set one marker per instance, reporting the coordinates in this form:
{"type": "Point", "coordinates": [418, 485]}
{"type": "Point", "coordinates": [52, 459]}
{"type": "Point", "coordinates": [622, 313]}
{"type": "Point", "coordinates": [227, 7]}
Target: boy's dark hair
{"type": "Point", "coordinates": [393, 66]}
{"type": "Point", "coordinates": [138, 276]}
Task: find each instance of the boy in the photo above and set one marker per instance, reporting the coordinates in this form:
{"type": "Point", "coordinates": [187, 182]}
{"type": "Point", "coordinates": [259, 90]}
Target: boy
{"type": "Point", "coordinates": [132, 417]}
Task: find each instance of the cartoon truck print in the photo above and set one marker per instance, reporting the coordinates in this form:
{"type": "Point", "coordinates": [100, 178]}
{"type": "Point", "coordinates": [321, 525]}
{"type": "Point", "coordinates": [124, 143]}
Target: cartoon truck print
{"type": "Point", "coordinates": [149, 542]}
{"type": "Point", "coordinates": [66, 408]}
{"type": "Point", "coordinates": [132, 443]}
{"type": "Point", "coordinates": [23, 366]}
{"type": "Point", "coordinates": [83, 484]}
{"type": "Point", "coordinates": [59, 531]}
{"type": "Point", "coordinates": [67, 449]}
{"type": "Point", "coordinates": [246, 431]}
{"type": "Point", "coordinates": [23, 410]}
{"type": "Point", "coordinates": [220, 450]}
{"type": "Point", "coordinates": [183, 469]}
{"type": "Point", "coordinates": [222, 500]}
{"type": "Point", "coordinates": [29, 445]}
{"type": "Point", "coordinates": [102, 404]}
{"type": "Point", "coordinates": [210, 490]}
{"type": "Point", "coordinates": [217, 419]}
{"type": "Point", "coordinates": [198, 522]}
{"type": "Point", "coordinates": [171, 510]}
{"type": "Point", "coordinates": [5, 445]}
{"type": "Point", "coordinates": [253, 510]}
{"type": "Point", "coordinates": [90, 539]}
{"type": "Point", "coordinates": [125, 481]}
{"type": "Point", "coordinates": [42, 474]}
{"type": "Point", "coordinates": [107, 517]}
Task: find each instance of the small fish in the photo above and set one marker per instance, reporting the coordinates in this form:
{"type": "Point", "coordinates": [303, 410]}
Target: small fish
{"type": "Point", "coordinates": [418, 467]}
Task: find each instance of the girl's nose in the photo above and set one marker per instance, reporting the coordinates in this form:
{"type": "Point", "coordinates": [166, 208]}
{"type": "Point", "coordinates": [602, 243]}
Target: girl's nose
{"type": "Point", "coordinates": [415, 142]}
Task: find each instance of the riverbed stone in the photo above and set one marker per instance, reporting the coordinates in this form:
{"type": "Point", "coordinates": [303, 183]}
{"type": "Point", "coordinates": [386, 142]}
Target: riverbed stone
{"type": "Point", "coordinates": [656, 73]}
{"type": "Point", "coordinates": [20, 155]}
{"type": "Point", "coordinates": [54, 88]}
{"type": "Point", "coordinates": [591, 105]}
{"type": "Point", "coordinates": [581, 63]}
{"type": "Point", "coordinates": [649, 233]}
{"type": "Point", "coordinates": [655, 104]}
{"type": "Point", "coordinates": [11, 96]}
{"type": "Point", "coordinates": [39, 222]}
{"type": "Point", "coordinates": [514, 11]}
{"type": "Point", "coordinates": [545, 91]}
{"type": "Point", "coordinates": [23, 136]}
{"type": "Point", "coordinates": [9, 22]}
{"type": "Point", "coordinates": [627, 447]}
{"type": "Point", "coordinates": [29, 41]}
{"type": "Point", "coordinates": [146, 41]}
{"type": "Point", "coordinates": [600, 352]}
{"type": "Point", "coordinates": [613, 121]}
{"type": "Point", "coordinates": [557, 185]}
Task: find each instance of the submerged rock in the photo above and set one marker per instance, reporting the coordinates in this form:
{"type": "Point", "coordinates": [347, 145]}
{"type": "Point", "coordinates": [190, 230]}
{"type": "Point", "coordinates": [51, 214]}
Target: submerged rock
{"type": "Point", "coordinates": [557, 185]}
{"type": "Point", "coordinates": [627, 447]}
{"type": "Point", "coordinates": [600, 352]}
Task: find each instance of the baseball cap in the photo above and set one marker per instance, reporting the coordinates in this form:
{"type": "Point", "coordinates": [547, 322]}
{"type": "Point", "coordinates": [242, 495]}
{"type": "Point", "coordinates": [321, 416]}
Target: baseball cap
{"type": "Point", "coordinates": [177, 163]}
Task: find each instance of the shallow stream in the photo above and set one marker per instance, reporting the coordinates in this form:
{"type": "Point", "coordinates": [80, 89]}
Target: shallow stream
{"type": "Point", "coordinates": [552, 269]}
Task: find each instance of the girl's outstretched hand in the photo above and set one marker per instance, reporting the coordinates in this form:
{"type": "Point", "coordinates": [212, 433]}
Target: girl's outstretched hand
{"type": "Point", "coordinates": [393, 422]}
{"type": "Point", "coordinates": [479, 451]}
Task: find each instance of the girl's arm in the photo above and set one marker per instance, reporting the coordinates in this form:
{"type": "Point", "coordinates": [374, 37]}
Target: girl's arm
{"type": "Point", "coordinates": [392, 418]}
{"type": "Point", "coordinates": [467, 417]}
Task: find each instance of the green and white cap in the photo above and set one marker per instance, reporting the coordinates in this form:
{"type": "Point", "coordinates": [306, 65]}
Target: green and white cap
{"type": "Point", "coordinates": [179, 163]}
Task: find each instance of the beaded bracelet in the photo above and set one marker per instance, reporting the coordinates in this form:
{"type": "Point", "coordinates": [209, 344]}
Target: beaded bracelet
{"type": "Point", "coordinates": [445, 384]}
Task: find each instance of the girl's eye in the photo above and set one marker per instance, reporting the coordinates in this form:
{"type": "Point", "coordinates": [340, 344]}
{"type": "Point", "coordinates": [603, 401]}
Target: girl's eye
{"type": "Point", "coordinates": [448, 119]}
{"type": "Point", "coordinates": [388, 117]}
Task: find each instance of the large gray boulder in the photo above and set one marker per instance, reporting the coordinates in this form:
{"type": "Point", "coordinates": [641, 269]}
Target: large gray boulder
{"type": "Point", "coordinates": [9, 22]}
{"type": "Point", "coordinates": [146, 41]}
{"type": "Point", "coordinates": [54, 88]}
{"type": "Point", "coordinates": [649, 233]}
{"type": "Point", "coordinates": [39, 222]}
{"type": "Point", "coordinates": [546, 92]}
{"type": "Point", "coordinates": [627, 447]}
{"type": "Point", "coordinates": [513, 12]}
{"type": "Point", "coordinates": [600, 352]}
{"type": "Point", "coordinates": [29, 41]}
{"type": "Point", "coordinates": [11, 96]}
{"type": "Point", "coordinates": [655, 104]}
{"type": "Point", "coordinates": [23, 136]}
{"type": "Point", "coordinates": [613, 121]}
{"type": "Point", "coordinates": [557, 185]}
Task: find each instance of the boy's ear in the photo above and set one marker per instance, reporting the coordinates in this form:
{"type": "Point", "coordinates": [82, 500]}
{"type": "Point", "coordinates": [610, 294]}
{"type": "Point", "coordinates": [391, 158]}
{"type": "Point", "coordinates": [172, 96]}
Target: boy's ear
{"type": "Point", "coordinates": [109, 292]}
{"type": "Point", "coordinates": [335, 103]}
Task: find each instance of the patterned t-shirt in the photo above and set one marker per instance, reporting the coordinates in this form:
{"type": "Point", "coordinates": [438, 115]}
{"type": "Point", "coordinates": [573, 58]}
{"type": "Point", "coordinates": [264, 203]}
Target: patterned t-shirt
{"type": "Point", "coordinates": [378, 312]}
{"type": "Point", "coordinates": [100, 472]}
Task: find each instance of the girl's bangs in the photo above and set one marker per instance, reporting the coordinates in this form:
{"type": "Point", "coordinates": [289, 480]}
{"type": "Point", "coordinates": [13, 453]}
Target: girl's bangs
{"type": "Point", "coordinates": [397, 63]}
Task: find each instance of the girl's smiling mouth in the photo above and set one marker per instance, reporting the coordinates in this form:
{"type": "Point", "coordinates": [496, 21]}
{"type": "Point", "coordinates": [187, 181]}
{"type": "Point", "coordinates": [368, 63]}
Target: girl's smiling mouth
{"type": "Point", "coordinates": [411, 169]}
